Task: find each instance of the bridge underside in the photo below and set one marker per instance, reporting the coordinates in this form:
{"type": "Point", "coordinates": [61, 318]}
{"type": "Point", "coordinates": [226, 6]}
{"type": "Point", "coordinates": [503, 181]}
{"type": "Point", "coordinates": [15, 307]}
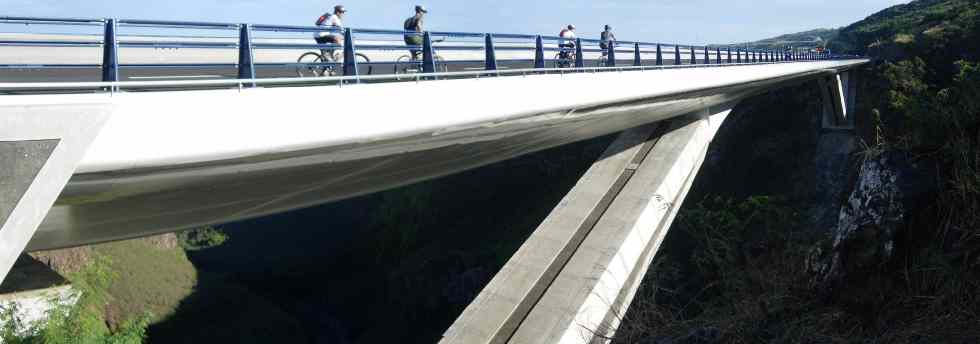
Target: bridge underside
{"type": "Point", "coordinates": [167, 161]}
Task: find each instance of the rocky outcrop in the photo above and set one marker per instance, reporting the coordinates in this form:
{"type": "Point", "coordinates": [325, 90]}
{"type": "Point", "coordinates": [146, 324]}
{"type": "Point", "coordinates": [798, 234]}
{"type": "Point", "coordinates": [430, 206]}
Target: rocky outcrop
{"type": "Point", "coordinates": [875, 213]}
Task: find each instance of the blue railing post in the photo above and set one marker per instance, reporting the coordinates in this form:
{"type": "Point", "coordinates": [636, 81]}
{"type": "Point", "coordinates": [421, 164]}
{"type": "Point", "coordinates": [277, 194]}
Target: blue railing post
{"type": "Point", "coordinates": [539, 52]}
{"type": "Point", "coordinates": [677, 55]}
{"type": "Point", "coordinates": [350, 54]}
{"type": "Point", "coordinates": [428, 57]}
{"type": "Point", "coordinates": [738, 55]}
{"type": "Point", "coordinates": [660, 56]}
{"type": "Point", "coordinates": [637, 61]}
{"type": "Point", "coordinates": [717, 55]}
{"type": "Point", "coordinates": [707, 56]}
{"type": "Point", "coordinates": [611, 55]}
{"type": "Point", "coordinates": [491, 52]}
{"type": "Point", "coordinates": [694, 59]}
{"type": "Point", "coordinates": [579, 56]}
{"type": "Point", "coordinates": [246, 65]}
{"type": "Point", "coordinates": [729, 49]}
{"type": "Point", "coordinates": [110, 54]}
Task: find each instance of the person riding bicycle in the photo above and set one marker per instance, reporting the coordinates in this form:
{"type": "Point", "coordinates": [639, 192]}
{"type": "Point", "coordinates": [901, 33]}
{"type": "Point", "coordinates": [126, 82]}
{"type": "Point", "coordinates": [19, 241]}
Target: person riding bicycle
{"type": "Point", "coordinates": [567, 45]}
{"type": "Point", "coordinates": [414, 24]}
{"type": "Point", "coordinates": [606, 39]}
{"type": "Point", "coordinates": [333, 21]}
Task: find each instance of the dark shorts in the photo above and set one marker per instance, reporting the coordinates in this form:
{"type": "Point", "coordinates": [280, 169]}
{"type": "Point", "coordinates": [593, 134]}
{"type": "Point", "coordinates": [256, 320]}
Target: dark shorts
{"type": "Point", "coordinates": [329, 39]}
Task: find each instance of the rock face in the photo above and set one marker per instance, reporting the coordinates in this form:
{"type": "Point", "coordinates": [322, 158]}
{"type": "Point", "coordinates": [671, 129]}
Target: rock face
{"type": "Point", "coordinates": [871, 218]}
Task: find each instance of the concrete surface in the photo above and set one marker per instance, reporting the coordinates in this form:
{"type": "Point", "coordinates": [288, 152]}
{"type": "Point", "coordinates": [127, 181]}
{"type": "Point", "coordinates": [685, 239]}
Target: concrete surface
{"type": "Point", "coordinates": [173, 160]}
{"type": "Point", "coordinates": [579, 270]}
{"type": "Point", "coordinates": [30, 132]}
{"type": "Point", "coordinates": [499, 309]}
{"type": "Point", "coordinates": [591, 294]}
{"type": "Point", "coordinates": [22, 160]}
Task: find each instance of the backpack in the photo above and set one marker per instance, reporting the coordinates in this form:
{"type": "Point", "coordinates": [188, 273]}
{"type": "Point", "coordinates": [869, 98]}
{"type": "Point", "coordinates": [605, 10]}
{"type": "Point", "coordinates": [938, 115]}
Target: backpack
{"type": "Point", "coordinates": [322, 19]}
{"type": "Point", "coordinates": [411, 24]}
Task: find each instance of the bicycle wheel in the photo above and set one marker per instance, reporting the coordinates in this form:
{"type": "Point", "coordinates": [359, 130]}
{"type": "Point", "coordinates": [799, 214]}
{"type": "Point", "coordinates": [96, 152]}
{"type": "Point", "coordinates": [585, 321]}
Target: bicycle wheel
{"type": "Point", "coordinates": [363, 65]}
{"type": "Point", "coordinates": [556, 62]}
{"type": "Point", "coordinates": [307, 69]}
{"type": "Point", "coordinates": [402, 65]}
{"type": "Point", "coordinates": [441, 66]}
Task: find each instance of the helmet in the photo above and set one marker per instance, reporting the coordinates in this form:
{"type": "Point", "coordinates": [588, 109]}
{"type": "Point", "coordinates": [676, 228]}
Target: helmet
{"type": "Point", "coordinates": [420, 8]}
{"type": "Point", "coordinates": [608, 27]}
{"type": "Point", "coordinates": [571, 27]}
{"type": "Point", "coordinates": [339, 9]}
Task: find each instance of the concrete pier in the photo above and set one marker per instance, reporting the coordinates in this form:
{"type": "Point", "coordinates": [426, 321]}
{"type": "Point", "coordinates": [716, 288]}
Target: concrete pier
{"type": "Point", "coordinates": [578, 272]}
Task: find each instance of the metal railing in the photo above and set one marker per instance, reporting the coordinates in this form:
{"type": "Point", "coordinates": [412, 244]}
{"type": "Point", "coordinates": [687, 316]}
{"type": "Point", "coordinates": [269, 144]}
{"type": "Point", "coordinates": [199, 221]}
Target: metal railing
{"type": "Point", "coordinates": [425, 62]}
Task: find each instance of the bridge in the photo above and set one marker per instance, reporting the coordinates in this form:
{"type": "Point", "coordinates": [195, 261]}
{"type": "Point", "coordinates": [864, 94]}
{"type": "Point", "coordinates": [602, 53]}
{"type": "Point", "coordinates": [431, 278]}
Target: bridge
{"type": "Point", "coordinates": [141, 127]}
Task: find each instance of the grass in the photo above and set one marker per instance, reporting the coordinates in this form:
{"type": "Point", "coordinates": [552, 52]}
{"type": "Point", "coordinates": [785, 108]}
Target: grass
{"type": "Point", "coordinates": [151, 279]}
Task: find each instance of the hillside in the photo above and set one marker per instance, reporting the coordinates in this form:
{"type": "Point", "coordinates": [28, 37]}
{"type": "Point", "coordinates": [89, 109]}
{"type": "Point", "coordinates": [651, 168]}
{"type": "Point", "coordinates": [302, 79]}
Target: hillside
{"type": "Point", "coordinates": [811, 38]}
{"type": "Point", "coordinates": [744, 263]}
{"type": "Point", "coordinates": [948, 25]}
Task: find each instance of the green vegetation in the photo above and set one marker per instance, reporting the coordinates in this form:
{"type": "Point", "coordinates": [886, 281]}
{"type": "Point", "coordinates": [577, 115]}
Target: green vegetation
{"type": "Point", "coordinates": [151, 278]}
{"type": "Point", "coordinates": [82, 322]}
{"type": "Point", "coordinates": [811, 38]}
{"type": "Point", "coordinates": [929, 29]}
{"type": "Point", "coordinates": [201, 238]}
{"type": "Point", "coordinates": [747, 271]}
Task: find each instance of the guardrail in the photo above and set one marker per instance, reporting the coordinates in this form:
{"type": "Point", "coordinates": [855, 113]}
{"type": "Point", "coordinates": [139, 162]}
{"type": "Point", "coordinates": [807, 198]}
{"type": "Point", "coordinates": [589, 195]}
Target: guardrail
{"type": "Point", "coordinates": [422, 58]}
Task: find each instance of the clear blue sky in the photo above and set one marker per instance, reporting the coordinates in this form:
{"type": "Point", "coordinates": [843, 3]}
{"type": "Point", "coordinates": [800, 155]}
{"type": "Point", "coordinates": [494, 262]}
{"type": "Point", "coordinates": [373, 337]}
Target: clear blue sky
{"type": "Point", "coordinates": [686, 21]}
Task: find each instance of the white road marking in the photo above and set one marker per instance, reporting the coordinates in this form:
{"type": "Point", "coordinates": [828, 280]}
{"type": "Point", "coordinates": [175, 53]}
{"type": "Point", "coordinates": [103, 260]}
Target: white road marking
{"type": "Point", "coordinates": [177, 77]}
{"type": "Point", "coordinates": [482, 68]}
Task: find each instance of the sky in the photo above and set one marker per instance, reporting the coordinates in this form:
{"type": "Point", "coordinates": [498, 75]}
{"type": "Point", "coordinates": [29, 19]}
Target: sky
{"type": "Point", "coordinates": [682, 21]}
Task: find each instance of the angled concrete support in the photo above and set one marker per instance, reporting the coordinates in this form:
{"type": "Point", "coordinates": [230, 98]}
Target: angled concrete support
{"type": "Point", "coordinates": [574, 278]}
{"type": "Point", "coordinates": [838, 92]}
{"type": "Point", "coordinates": [40, 145]}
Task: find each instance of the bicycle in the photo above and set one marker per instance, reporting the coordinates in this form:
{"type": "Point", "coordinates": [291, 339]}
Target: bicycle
{"type": "Point", "coordinates": [565, 59]}
{"type": "Point", "coordinates": [313, 64]}
{"type": "Point", "coordinates": [413, 63]}
{"type": "Point", "coordinates": [603, 57]}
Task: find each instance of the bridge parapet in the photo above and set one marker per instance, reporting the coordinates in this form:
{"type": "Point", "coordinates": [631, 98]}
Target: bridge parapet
{"type": "Point", "coordinates": [254, 51]}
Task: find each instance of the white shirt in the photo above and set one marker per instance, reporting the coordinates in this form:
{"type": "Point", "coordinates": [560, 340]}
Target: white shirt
{"type": "Point", "coordinates": [567, 34]}
{"type": "Point", "coordinates": [333, 21]}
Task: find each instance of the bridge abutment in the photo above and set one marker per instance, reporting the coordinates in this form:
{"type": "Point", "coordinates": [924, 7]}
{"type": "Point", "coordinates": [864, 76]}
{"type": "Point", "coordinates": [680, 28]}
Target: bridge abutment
{"type": "Point", "coordinates": [40, 146]}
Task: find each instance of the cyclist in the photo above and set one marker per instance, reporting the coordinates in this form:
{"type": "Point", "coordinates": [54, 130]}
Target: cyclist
{"type": "Point", "coordinates": [333, 21]}
{"type": "Point", "coordinates": [606, 39]}
{"type": "Point", "coordinates": [414, 24]}
{"type": "Point", "coordinates": [568, 35]}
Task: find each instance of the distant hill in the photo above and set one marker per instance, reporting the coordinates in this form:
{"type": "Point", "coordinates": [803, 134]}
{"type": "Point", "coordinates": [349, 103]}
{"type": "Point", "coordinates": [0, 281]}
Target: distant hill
{"type": "Point", "coordinates": [811, 38]}
{"type": "Point", "coordinates": [919, 24]}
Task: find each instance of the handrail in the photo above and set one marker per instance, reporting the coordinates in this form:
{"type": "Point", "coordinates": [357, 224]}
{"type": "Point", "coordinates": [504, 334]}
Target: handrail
{"type": "Point", "coordinates": [51, 21]}
{"type": "Point", "coordinates": [176, 24]}
{"type": "Point", "coordinates": [339, 80]}
{"type": "Point", "coordinates": [711, 55]}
